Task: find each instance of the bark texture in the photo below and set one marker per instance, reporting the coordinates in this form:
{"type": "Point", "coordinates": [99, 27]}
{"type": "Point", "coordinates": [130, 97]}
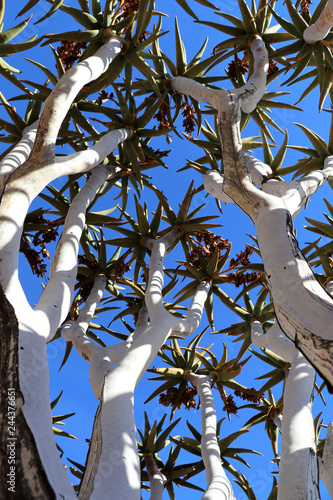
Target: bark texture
{"type": "Point", "coordinates": [19, 459]}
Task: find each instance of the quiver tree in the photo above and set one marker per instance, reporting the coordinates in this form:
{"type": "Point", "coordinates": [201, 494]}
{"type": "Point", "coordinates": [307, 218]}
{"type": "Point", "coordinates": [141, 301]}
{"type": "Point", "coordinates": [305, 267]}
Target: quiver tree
{"type": "Point", "coordinates": [83, 282]}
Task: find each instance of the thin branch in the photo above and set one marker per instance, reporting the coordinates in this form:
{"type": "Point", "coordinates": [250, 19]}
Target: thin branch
{"type": "Point", "coordinates": [218, 485]}
{"type": "Point", "coordinates": [83, 161]}
{"type": "Point", "coordinates": [156, 478]}
{"type": "Point", "coordinates": [187, 326]}
{"type": "Point", "coordinates": [154, 295]}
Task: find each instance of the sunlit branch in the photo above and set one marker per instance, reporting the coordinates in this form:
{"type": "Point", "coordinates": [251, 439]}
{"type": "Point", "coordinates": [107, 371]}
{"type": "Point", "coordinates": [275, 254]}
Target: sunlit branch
{"type": "Point", "coordinates": [274, 338]}
{"type": "Point", "coordinates": [190, 324]}
{"type": "Point", "coordinates": [320, 29]}
{"type": "Point", "coordinates": [75, 331]}
{"type": "Point", "coordinates": [251, 93]}
{"type": "Point", "coordinates": [156, 478]}
{"type": "Point", "coordinates": [154, 296]}
{"type": "Point", "coordinates": [218, 485]}
{"type": "Point", "coordinates": [213, 182]}
{"type": "Point", "coordinates": [298, 476]}
{"type": "Point", "coordinates": [56, 298]}
{"type": "Point", "coordinates": [83, 161]}
{"type": "Point", "coordinates": [18, 155]}
{"type": "Point", "coordinates": [59, 101]}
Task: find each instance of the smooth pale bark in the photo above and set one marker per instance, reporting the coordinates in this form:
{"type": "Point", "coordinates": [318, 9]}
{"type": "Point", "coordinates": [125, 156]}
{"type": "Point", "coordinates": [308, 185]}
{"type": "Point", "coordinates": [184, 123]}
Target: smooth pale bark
{"type": "Point", "coordinates": [218, 485]}
{"type": "Point", "coordinates": [56, 298]}
{"type": "Point", "coordinates": [65, 91]}
{"type": "Point", "coordinates": [18, 154]}
{"type": "Point", "coordinates": [156, 478]}
{"type": "Point", "coordinates": [320, 29]}
{"type": "Point", "coordinates": [298, 474]}
{"type": "Point", "coordinates": [326, 463]}
{"type": "Point", "coordinates": [113, 462]}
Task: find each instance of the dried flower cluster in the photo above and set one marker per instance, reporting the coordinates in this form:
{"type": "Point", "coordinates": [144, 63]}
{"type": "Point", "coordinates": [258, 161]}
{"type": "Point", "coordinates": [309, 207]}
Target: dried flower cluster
{"type": "Point", "coordinates": [171, 395]}
{"type": "Point", "coordinates": [305, 4]}
{"type": "Point", "coordinates": [273, 67]}
{"type": "Point", "coordinates": [189, 115]}
{"type": "Point", "coordinates": [85, 288]}
{"type": "Point", "coordinates": [242, 259]}
{"type": "Point", "coordinates": [120, 269]}
{"type": "Point", "coordinates": [229, 404]}
{"type": "Point", "coordinates": [206, 242]}
{"type": "Point", "coordinates": [150, 161]}
{"type": "Point", "coordinates": [69, 52]}
{"type": "Point", "coordinates": [35, 260]}
{"type": "Point", "coordinates": [41, 238]}
{"type": "Point", "coordinates": [252, 398]}
{"type": "Point", "coordinates": [240, 278]}
{"type": "Point", "coordinates": [126, 8]}
{"type": "Point", "coordinates": [232, 68]}
{"type": "Point", "coordinates": [163, 122]}
{"type": "Point", "coordinates": [102, 96]}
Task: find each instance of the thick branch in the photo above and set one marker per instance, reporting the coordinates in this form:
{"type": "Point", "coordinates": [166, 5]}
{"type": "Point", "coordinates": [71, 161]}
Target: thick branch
{"type": "Point", "coordinates": [59, 101]}
{"type": "Point", "coordinates": [54, 303]}
{"type": "Point", "coordinates": [320, 29]}
{"type": "Point", "coordinates": [298, 477]}
{"type": "Point", "coordinates": [18, 155]}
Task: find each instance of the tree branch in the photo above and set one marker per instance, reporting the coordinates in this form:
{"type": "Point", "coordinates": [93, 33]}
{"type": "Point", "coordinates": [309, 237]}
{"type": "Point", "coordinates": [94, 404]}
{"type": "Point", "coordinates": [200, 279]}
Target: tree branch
{"type": "Point", "coordinates": [218, 485]}
{"type": "Point", "coordinates": [320, 29]}
{"type": "Point", "coordinates": [18, 155]}
{"type": "Point", "coordinates": [59, 101]}
{"type": "Point", "coordinates": [156, 478]}
{"type": "Point", "coordinates": [56, 298]}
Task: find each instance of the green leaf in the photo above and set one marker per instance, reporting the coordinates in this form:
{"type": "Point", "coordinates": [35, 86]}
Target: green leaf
{"type": "Point", "coordinates": [54, 8]}
{"type": "Point", "coordinates": [188, 10]}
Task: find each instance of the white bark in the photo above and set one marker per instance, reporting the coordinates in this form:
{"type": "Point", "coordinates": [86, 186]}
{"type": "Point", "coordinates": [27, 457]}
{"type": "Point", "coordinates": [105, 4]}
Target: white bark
{"type": "Point", "coordinates": [298, 476]}
{"type": "Point", "coordinates": [320, 29]}
{"type": "Point", "coordinates": [326, 463]}
{"type": "Point", "coordinates": [218, 485]}
{"type": "Point", "coordinates": [256, 84]}
{"type": "Point", "coordinates": [303, 308]}
{"type": "Point", "coordinates": [18, 155]}
{"type": "Point", "coordinates": [274, 339]}
{"type": "Point", "coordinates": [156, 478]}
{"type": "Point", "coordinates": [213, 182]}
{"type": "Point", "coordinates": [59, 101]}
{"type": "Point", "coordinates": [56, 298]}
